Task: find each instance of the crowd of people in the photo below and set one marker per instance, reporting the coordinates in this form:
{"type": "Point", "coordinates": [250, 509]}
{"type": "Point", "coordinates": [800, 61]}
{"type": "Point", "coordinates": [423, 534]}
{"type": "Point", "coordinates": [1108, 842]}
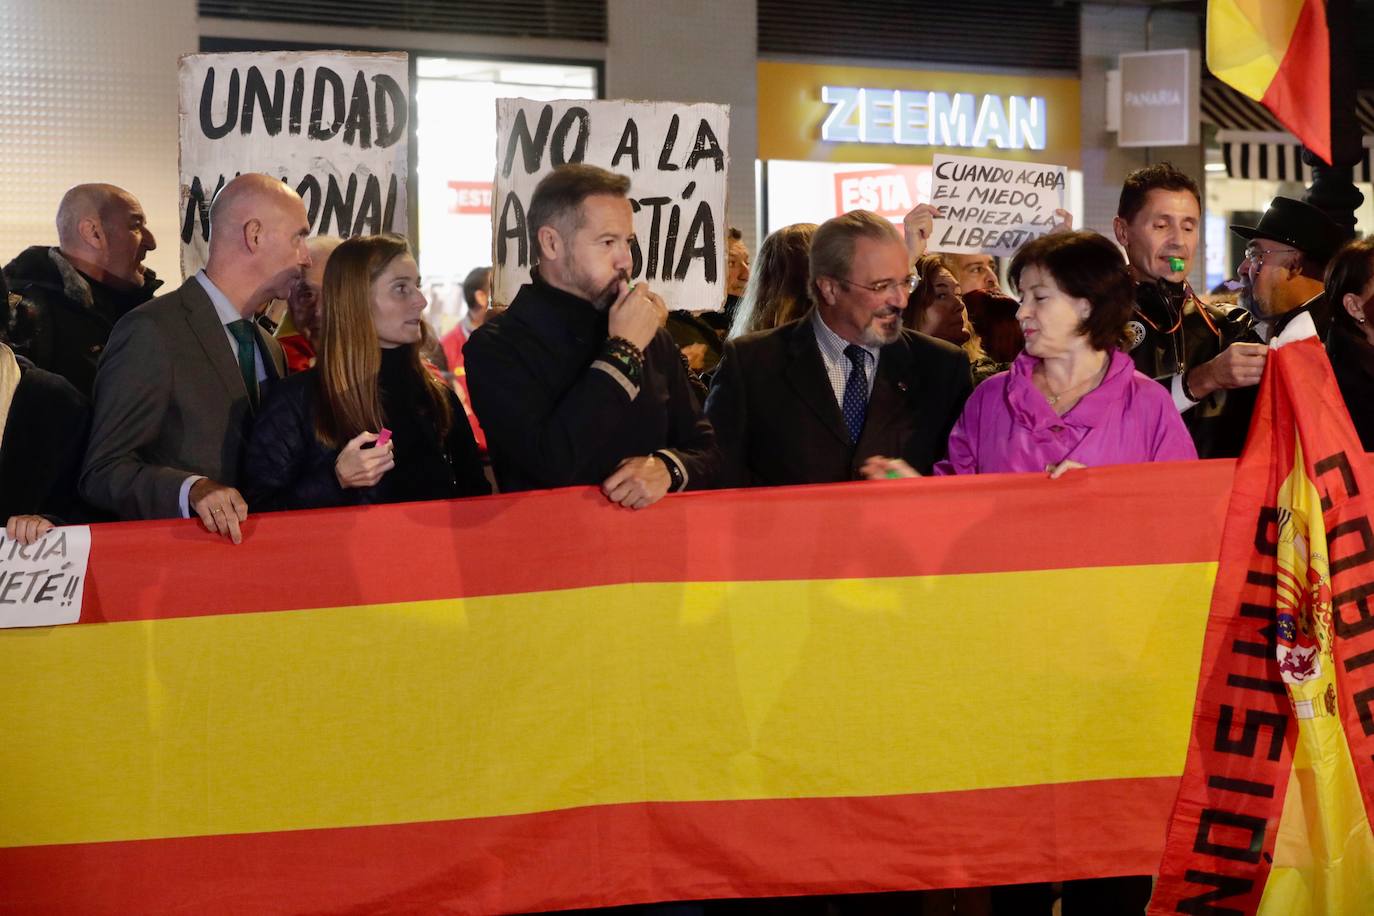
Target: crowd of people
{"type": "Point", "coordinates": [297, 372]}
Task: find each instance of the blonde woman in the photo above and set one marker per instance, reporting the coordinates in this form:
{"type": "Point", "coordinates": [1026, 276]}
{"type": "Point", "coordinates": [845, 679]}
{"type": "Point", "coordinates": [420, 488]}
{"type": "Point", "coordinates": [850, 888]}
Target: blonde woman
{"type": "Point", "coordinates": [369, 423]}
{"type": "Point", "coordinates": [778, 290]}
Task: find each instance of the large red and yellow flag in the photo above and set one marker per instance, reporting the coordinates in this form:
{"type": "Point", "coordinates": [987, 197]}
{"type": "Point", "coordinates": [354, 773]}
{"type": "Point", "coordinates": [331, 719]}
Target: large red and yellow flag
{"type": "Point", "coordinates": [542, 701]}
{"type": "Point", "coordinates": [1277, 52]}
{"type": "Point", "coordinates": [1274, 808]}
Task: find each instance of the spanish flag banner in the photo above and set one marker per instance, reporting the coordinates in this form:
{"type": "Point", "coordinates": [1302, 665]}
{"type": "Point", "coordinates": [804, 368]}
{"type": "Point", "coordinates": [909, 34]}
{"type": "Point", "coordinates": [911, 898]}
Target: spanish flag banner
{"type": "Point", "coordinates": [1274, 808]}
{"type": "Point", "coordinates": [1278, 52]}
{"type": "Point", "coordinates": [542, 701]}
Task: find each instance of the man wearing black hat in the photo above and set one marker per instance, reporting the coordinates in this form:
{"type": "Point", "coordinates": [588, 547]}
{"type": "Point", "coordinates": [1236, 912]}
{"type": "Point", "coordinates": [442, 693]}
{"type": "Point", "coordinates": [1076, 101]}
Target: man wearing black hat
{"type": "Point", "coordinates": [1285, 257]}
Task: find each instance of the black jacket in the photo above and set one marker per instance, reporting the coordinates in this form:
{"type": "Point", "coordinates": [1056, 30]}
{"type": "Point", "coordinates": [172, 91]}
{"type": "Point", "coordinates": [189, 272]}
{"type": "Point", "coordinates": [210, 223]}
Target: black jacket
{"type": "Point", "coordinates": [287, 467]}
{"type": "Point", "coordinates": [45, 439]}
{"type": "Point", "coordinates": [556, 415]}
{"type": "Point", "coordinates": [777, 420]}
{"type": "Point", "coordinates": [1162, 344]}
{"type": "Point", "coordinates": [1352, 362]}
{"type": "Point", "coordinates": [69, 323]}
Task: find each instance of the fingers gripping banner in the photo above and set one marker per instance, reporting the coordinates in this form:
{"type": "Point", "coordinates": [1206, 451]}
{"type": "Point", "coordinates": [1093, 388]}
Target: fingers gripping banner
{"type": "Point", "coordinates": [1274, 808]}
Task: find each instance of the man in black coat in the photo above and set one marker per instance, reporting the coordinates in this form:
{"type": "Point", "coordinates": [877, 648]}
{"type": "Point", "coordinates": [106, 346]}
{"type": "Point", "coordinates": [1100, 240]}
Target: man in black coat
{"type": "Point", "coordinates": [1208, 356]}
{"type": "Point", "coordinates": [78, 290]}
{"type": "Point", "coordinates": [577, 383]}
{"type": "Point", "coordinates": [810, 401]}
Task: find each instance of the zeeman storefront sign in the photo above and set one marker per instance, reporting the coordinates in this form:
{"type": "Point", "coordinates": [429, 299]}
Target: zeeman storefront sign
{"type": "Point", "coordinates": [921, 118]}
{"type": "Point", "coordinates": [865, 114]}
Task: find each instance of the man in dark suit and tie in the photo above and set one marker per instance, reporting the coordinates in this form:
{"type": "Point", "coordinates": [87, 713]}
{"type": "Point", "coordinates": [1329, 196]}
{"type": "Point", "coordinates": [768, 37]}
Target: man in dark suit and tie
{"type": "Point", "coordinates": [810, 401]}
{"type": "Point", "coordinates": [182, 375]}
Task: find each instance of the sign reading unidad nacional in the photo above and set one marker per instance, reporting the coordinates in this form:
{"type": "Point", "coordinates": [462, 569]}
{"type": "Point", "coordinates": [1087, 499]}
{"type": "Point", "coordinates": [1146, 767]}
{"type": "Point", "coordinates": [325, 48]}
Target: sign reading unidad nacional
{"type": "Point", "coordinates": [676, 159]}
{"type": "Point", "coordinates": [331, 124]}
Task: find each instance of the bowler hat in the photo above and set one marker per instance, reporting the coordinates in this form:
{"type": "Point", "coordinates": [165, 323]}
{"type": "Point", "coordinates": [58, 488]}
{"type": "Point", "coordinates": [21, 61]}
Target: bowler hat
{"type": "Point", "coordinates": [1299, 224]}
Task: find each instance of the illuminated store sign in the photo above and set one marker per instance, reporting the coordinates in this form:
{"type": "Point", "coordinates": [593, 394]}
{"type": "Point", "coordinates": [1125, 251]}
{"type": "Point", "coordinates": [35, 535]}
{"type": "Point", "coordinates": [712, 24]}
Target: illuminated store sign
{"type": "Point", "coordinates": [915, 118]}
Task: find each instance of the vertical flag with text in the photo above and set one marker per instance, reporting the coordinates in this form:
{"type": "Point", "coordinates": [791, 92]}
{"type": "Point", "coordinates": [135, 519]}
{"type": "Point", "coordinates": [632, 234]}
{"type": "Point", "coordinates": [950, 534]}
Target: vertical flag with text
{"type": "Point", "coordinates": [1274, 808]}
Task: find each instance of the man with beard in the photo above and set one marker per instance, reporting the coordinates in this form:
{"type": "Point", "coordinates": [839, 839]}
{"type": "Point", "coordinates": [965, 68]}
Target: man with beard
{"type": "Point", "coordinates": [183, 375]}
{"type": "Point", "coordinates": [77, 291]}
{"type": "Point", "coordinates": [577, 383]}
{"type": "Point", "coordinates": [810, 401]}
{"type": "Point", "coordinates": [1285, 261]}
{"type": "Point", "coordinates": [1206, 355]}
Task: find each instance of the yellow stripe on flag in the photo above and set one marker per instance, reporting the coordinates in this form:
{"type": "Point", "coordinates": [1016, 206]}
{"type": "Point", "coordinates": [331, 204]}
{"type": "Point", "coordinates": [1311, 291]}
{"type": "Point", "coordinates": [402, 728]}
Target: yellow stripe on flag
{"type": "Point", "coordinates": [1247, 40]}
{"type": "Point", "coordinates": [537, 702]}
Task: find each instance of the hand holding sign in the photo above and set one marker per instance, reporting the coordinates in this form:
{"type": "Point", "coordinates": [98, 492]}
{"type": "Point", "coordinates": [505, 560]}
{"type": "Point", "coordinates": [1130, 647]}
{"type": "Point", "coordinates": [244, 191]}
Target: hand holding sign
{"type": "Point", "coordinates": [41, 582]}
{"type": "Point", "coordinates": [917, 226]}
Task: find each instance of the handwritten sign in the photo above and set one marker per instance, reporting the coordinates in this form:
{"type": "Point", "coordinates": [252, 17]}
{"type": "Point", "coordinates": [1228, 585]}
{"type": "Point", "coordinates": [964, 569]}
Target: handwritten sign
{"type": "Point", "coordinates": [993, 206]}
{"type": "Point", "coordinates": [331, 124]}
{"type": "Point", "coordinates": [42, 584]}
{"type": "Point", "coordinates": [675, 157]}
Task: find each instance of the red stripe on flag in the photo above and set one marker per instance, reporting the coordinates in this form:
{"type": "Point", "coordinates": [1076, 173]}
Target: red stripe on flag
{"type": "Point", "coordinates": [1300, 93]}
{"type": "Point", "coordinates": [585, 856]}
{"type": "Point", "coordinates": [1161, 513]}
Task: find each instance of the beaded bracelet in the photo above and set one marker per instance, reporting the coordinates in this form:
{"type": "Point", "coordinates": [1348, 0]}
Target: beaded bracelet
{"type": "Point", "coordinates": [625, 356]}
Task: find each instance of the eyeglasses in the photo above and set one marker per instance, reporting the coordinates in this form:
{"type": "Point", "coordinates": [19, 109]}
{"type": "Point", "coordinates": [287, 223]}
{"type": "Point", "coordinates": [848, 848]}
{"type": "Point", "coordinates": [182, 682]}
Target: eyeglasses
{"type": "Point", "coordinates": [1256, 255]}
{"type": "Point", "coordinates": [907, 284]}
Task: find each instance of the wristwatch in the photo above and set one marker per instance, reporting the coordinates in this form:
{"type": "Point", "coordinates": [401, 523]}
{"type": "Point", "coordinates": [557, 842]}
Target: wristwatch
{"type": "Point", "coordinates": [675, 479]}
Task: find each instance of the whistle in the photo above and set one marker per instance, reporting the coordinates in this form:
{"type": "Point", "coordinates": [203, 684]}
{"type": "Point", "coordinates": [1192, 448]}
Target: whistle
{"type": "Point", "coordinates": [1177, 265]}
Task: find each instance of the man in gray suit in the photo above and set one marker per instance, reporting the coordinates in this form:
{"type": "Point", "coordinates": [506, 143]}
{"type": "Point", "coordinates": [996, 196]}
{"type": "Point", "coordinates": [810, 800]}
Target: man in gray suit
{"type": "Point", "coordinates": [182, 375]}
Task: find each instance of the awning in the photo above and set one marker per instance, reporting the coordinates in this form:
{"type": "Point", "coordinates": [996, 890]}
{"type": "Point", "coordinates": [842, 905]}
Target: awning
{"type": "Point", "coordinates": [1255, 145]}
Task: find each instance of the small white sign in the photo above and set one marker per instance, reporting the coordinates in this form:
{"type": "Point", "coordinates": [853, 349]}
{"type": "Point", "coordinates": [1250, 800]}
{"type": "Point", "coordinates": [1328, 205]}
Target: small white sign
{"type": "Point", "coordinates": [675, 156]}
{"type": "Point", "coordinates": [41, 584]}
{"type": "Point", "coordinates": [993, 206]}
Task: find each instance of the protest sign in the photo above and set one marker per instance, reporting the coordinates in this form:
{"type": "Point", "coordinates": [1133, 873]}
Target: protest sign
{"type": "Point", "coordinates": [41, 584]}
{"type": "Point", "coordinates": [675, 158]}
{"type": "Point", "coordinates": [331, 124]}
{"type": "Point", "coordinates": [993, 206]}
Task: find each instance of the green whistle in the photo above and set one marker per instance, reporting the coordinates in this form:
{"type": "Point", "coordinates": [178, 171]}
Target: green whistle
{"type": "Point", "coordinates": [1177, 265]}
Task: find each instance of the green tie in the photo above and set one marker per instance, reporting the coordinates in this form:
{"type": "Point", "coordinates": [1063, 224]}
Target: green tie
{"type": "Point", "coordinates": [245, 334]}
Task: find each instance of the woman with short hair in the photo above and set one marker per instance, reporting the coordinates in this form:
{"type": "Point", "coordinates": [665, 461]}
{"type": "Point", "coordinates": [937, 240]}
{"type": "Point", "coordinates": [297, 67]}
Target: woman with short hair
{"type": "Point", "coordinates": [1072, 398]}
{"type": "Point", "coordinates": [369, 423]}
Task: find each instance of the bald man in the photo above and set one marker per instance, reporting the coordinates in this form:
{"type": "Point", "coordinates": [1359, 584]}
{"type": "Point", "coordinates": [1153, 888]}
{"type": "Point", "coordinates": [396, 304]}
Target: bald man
{"type": "Point", "coordinates": [80, 289]}
{"type": "Point", "coordinates": [182, 375]}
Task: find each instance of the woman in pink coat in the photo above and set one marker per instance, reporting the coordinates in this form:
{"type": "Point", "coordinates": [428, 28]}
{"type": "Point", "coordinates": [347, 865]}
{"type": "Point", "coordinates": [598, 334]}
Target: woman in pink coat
{"type": "Point", "coordinates": [1072, 399]}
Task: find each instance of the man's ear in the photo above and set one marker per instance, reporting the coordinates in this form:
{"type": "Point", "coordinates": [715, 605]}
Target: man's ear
{"type": "Point", "coordinates": [482, 298]}
{"type": "Point", "coordinates": [92, 232]}
{"type": "Point", "coordinates": [1119, 227]}
{"type": "Point", "coordinates": [550, 243]}
{"type": "Point", "coordinates": [252, 234]}
{"type": "Point", "coordinates": [826, 286]}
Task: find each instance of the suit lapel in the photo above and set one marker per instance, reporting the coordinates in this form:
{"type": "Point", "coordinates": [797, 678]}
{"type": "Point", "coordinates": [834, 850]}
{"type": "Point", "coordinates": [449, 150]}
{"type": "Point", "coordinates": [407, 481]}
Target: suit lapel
{"type": "Point", "coordinates": [273, 360]}
{"type": "Point", "coordinates": [205, 324]}
{"type": "Point", "coordinates": [806, 374]}
{"type": "Point", "coordinates": [891, 396]}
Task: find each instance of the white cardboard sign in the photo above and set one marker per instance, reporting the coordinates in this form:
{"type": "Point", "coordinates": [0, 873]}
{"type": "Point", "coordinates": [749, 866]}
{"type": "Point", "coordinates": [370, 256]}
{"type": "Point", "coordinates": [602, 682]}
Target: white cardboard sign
{"type": "Point", "coordinates": [993, 206]}
{"type": "Point", "coordinates": [333, 125]}
{"type": "Point", "coordinates": [676, 159]}
{"type": "Point", "coordinates": [42, 584]}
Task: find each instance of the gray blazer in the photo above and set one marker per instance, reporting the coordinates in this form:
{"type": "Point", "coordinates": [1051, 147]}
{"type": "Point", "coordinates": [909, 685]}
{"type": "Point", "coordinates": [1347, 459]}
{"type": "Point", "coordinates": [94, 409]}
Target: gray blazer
{"type": "Point", "coordinates": [169, 402]}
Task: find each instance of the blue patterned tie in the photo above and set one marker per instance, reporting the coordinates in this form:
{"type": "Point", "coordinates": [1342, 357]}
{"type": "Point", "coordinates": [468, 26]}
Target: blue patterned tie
{"type": "Point", "coordinates": [855, 392]}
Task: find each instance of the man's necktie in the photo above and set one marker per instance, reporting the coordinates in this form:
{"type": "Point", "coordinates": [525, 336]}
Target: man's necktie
{"type": "Point", "coordinates": [855, 392]}
{"type": "Point", "coordinates": [246, 336]}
